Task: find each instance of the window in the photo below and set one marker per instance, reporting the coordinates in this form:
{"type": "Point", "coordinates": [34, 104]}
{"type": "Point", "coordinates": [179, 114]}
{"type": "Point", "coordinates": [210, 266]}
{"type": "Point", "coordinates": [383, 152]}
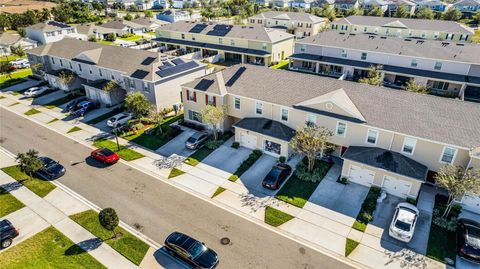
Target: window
{"type": "Point", "coordinates": [70, 63]}
{"type": "Point", "coordinates": [463, 37]}
{"type": "Point", "coordinates": [146, 88]}
{"type": "Point", "coordinates": [195, 116]}
{"type": "Point", "coordinates": [364, 56]}
{"type": "Point", "coordinates": [210, 100]}
{"type": "Point", "coordinates": [311, 119]}
{"type": "Point", "coordinates": [61, 62]}
{"type": "Point", "coordinates": [191, 96]}
{"type": "Point", "coordinates": [414, 63]}
{"type": "Point", "coordinates": [438, 66]}
{"type": "Point", "coordinates": [440, 85]}
{"type": "Point", "coordinates": [436, 35]}
{"type": "Point", "coordinates": [237, 102]}
{"type": "Point", "coordinates": [365, 29]}
{"type": "Point", "coordinates": [449, 37]}
{"type": "Point", "coordinates": [131, 82]}
{"type": "Point", "coordinates": [232, 42]}
{"type": "Point", "coordinates": [183, 36]}
{"type": "Point", "coordinates": [264, 46]}
{"type": "Point", "coordinates": [252, 21]}
{"type": "Point", "coordinates": [220, 40]}
{"type": "Point", "coordinates": [90, 70]}
{"type": "Point", "coordinates": [80, 67]}
{"type": "Point", "coordinates": [100, 72]}
{"type": "Point", "coordinates": [53, 60]}
{"type": "Point", "coordinates": [258, 108]}
{"type": "Point", "coordinates": [273, 147]}
{"type": "Point", "coordinates": [372, 136]}
{"type": "Point", "coordinates": [423, 34]}
{"type": "Point", "coordinates": [334, 26]}
{"type": "Point", "coordinates": [344, 53]}
{"type": "Point", "coordinates": [409, 145]}
{"type": "Point", "coordinates": [284, 116]}
{"type": "Point", "coordinates": [303, 47]}
{"type": "Point", "coordinates": [448, 155]}
{"type": "Point", "coordinates": [341, 129]}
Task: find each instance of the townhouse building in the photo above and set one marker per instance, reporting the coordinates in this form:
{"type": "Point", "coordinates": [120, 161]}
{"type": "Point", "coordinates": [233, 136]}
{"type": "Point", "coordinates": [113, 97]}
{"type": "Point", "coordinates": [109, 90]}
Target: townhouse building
{"type": "Point", "coordinates": [7, 40]}
{"type": "Point", "coordinates": [300, 24]}
{"type": "Point", "coordinates": [435, 5]}
{"type": "Point", "coordinates": [393, 5]}
{"type": "Point", "coordinates": [393, 139]}
{"type": "Point", "coordinates": [344, 5]}
{"type": "Point", "coordinates": [371, 4]}
{"type": "Point", "coordinates": [172, 15]}
{"type": "Point", "coordinates": [158, 77]}
{"type": "Point", "coordinates": [467, 7]}
{"type": "Point", "coordinates": [403, 27]}
{"type": "Point", "coordinates": [446, 68]}
{"type": "Point", "coordinates": [233, 43]}
{"type": "Point", "coordinates": [50, 31]}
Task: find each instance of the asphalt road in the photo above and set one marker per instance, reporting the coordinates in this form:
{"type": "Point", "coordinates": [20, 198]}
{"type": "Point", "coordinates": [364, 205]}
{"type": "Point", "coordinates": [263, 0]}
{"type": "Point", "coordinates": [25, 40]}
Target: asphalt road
{"type": "Point", "coordinates": [158, 207]}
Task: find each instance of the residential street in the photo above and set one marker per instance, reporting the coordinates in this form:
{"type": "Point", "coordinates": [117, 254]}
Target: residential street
{"type": "Point", "coordinates": [159, 208]}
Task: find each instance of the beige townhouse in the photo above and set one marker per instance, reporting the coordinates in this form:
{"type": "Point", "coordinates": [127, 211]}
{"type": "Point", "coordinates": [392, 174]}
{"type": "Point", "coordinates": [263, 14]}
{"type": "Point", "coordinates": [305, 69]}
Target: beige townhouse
{"type": "Point", "coordinates": [300, 24]}
{"type": "Point", "coordinates": [393, 139]}
{"type": "Point", "coordinates": [221, 42]}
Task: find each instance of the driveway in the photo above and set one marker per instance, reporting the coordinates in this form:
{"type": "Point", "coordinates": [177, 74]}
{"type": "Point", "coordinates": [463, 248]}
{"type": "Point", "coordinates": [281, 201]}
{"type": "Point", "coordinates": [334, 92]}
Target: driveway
{"type": "Point", "coordinates": [177, 145]}
{"type": "Point", "coordinates": [22, 86]}
{"type": "Point", "coordinates": [227, 158]}
{"type": "Point", "coordinates": [49, 97]}
{"type": "Point", "coordinates": [252, 178]}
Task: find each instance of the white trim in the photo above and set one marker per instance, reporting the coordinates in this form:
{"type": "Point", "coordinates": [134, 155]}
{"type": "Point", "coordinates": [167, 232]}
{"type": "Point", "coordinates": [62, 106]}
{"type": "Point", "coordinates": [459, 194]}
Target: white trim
{"type": "Point", "coordinates": [414, 145]}
{"type": "Point", "coordinates": [240, 102]}
{"type": "Point", "coordinates": [311, 114]}
{"type": "Point", "coordinates": [376, 136]}
{"type": "Point", "coordinates": [409, 189]}
{"type": "Point", "coordinates": [344, 132]}
{"type": "Point", "coordinates": [281, 114]}
{"type": "Point", "coordinates": [261, 108]}
{"type": "Point", "coordinates": [443, 152]}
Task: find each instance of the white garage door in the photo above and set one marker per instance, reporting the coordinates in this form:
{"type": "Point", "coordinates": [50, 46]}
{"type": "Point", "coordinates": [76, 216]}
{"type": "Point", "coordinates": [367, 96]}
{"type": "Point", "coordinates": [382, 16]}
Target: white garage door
{"type": "Point", "coordinates": [396, 187]}
{"type": "Point", "coordinates": [248, 141]}
{"type": "Point", "coordinates": [361, 176]}
{"type": "Point", "coordinates": [471, 203]}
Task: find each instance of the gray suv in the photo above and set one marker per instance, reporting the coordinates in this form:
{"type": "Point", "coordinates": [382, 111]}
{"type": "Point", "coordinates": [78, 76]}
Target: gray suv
{"type": "Point", "coordinates": [197, 140]}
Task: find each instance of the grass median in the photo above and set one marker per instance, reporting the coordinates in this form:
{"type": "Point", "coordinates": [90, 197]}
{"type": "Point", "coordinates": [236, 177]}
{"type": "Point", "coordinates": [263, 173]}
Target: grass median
{"type": "Point", "coordinates": [8, 203]}
{"type": "Point", "coordinates": [276, 217]}
{"type": "Point", "coordinates": [32, 111]}
{"type": "Point", "coordinates": [39, 186]}
{"type": "Point", "coordinates": [124, 152]}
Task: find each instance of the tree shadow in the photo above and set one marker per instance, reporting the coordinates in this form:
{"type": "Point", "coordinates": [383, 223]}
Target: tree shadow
{"type": "Point", "coordinates": [84, 246]}
{"type": "Point", "coordinates": [8, 187]}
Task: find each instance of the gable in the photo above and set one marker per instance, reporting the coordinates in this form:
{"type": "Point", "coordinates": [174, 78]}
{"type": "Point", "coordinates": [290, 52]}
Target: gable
{"type": "Point", "coordinates": [395, 24]}
{"type": "Point", "coordinates": [91, 56]}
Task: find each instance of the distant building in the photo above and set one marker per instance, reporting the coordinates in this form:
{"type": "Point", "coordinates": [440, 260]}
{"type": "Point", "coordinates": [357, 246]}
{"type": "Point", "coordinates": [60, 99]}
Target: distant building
{"type": "Point", "coordinates": [435, 5]}
{"type": "Point", "coordinates": [50, 31]}
{"type": "Point", "coordinates": [7, 40]}
{"type": "Point", "coordinates": [178, 15]}
{"type": "Point", "coordinates": [468, 7]}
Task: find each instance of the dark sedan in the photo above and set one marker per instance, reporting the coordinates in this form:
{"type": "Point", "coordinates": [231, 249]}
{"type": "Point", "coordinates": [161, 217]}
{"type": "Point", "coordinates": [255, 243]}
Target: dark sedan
{"type": "Point", "coordinates": [72, 105]}
{"type": "Point", "coordinates": [468, 240]}
{"type": "Point", "coordinates": [51, 169]}
{"type": "Point", "coordinates": [83, 107]}
{"type": "Point", "coordinates": [276, 176]}
{"type": "Point", "coordinates": [7, 233]}
{"type": "Point", "coordinates": [194, 252]}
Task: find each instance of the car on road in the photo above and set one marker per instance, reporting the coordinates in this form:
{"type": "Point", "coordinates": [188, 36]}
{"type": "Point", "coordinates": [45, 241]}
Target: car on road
{"type": "Point", "coordinates": [36, 91]}
{"type": "Point", "coordinates": [468, 240]}
{"type": "Point", "coordinates": [119, 119]}
{"type": "Point", "coordinates": [7, 233]}
{"type": "Point", "coordinates": [197, 140]}
{"type": "Point", "coordinates": [73, 104]}
{"type": "Point", "coordinates": [105, 156]}
{"type": "Point", "coordinates": [190, 250]}
{"type": "Point", "coordinates": [50, 169]}
{"type": "Point", "coordinates": [20, 63]}
{"type": "Point", "coordinates": [277, 175]}
{"type": "Point", "coordinates": [83, 108]}
{"type": "Point", "coordinates": [403, 223]}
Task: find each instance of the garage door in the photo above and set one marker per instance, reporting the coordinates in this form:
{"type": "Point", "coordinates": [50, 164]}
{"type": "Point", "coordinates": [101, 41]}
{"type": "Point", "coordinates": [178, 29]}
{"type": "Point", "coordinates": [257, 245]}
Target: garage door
{"type": "Point", "coordinates": [361, 176]}
{"type": "Point", "coordinates": [396, 187]}
{"type": "Point", "coordinates": [248, 141]}
{"type": "Point", "coordinates": [471, 203]}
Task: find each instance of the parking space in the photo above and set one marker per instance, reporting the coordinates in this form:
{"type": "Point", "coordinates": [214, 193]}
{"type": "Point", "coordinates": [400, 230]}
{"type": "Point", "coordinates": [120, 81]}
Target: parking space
{"type": "Point", "coordinates": [227, 158]}
{"type": "Point", "coordinates": [254, 176]}
{"type": "Point", "coordinates": [177, 145]}
{"type": "Point", "coordinates": [49, 97]}
{"type": "Point", "coordinates": [23, 86]}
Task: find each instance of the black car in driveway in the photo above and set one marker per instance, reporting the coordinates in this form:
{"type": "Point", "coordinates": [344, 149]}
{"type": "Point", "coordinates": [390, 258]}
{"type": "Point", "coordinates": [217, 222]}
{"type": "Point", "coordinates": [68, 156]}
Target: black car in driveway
{"type": "Point", "coordinates": [7, 233]}
{"type": "Point", "coordinates": [72, 105]}
{"type": "Point", "coordinates": [51, 169]}
{"type": "Point", "coordinates": [468, 240]}
{"type": "Point", "coordinates": [276, 176]}
{"type": "Point", "coordinates": [194, 252]}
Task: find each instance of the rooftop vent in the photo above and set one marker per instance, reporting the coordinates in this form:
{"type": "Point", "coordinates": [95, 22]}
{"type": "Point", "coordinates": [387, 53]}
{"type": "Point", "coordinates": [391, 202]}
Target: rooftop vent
{"type": "Point", "coordinates": [407, 39]}
{"type": "Point", "coordinates": [371, 37]}
{"type": "Point", "coordinates": [341, 33]}
{"type": "Point", "coordinates": [444, 44]}
{"type": "Point", "coordinates": [383, 37]}
{"type": "Point", "coordinates": [460, 44]}
{"type": "Point", "coordinates": [420, 41]}
{"type": "Point", "coordinates": [243, 26]}
{"type": "Point", "coordinates": [352, 34]}
{"type": "Point", "coordinates": [251, 27]}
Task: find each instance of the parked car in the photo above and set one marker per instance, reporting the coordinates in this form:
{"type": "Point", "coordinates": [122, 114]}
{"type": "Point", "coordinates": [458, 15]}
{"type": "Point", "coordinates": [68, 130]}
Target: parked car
{"type": "Point", "coordinates": [83, 107]}
{"type": "Point", "coordinates": [36, 91]}
{"type": "Point", "coordinates": [51, 169]}
{"type": "Point", "coordinates": [105, 156]}
{"type": "Point", "coordinates": [20, 63]}
{"type": "Point", "coordinates": [276, 176]}
{"type": "Point", "coordinates": [72, 105]}
{"type": "Point", "coordinates": [197, 140]}
{"type": "Point", "coordinates": [7, 233]}
{"type": "Point", "coordinates": [193, 252]}
{"type": "Point", "coordinates": [403, 223]}
{"type": "Point", "coordinates": [468, 240]}
{"type": "Point", "coordinates": [119, 120]}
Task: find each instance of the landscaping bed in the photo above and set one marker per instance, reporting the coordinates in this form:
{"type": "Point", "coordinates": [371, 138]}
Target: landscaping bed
{"type": "Point", "coordinates": [254, 156]}
{"type": "Point", "coordinates": [297, 191]}
{"type": "Point", "coordinates": [368, 207]}
{"type": "Point", "coordinates": [47, 249]}
{"type": "Point", "coordinates": [8, 203]}
{"type": "Point", "coordinates": [124, 152]}
{"type": "Point", "coordinates": [281, 65]}
{"type": "Point", "coordinates": [198, 156]}
{"type": "Point", "coordinates": [126, 244]}
{"type": "Point", "coordinates": [276, 217]}
{"type": "Point", "coordinates": [39, 186]}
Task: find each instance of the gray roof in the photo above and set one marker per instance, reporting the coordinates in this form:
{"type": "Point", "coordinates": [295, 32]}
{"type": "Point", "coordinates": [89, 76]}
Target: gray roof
{"type": "Point", "coordinates": [267, 127]}
{"type": "Point", "coordinates": [420, 24]}
{"type": "Point", "coordinates": [387, 160]}
{"type": "Point", "coordinates": [49, 26]}
{"type": "Point", "coordinates": [86, 28]}
{"type": "Point", "coordinates": [9, 39]}
{"type": "Point", "coordinates": [461, 3]}
{"type": "Point", "coordinates": [296, 16]}
{"type": "Point", "coordinates": [437, 118]}
{"type": "Point", "coordinates": [135, 63]}
{"type": "Point", "coordinates": [252, 32]}
{"type": "Point", "coordinates": [433, 49]}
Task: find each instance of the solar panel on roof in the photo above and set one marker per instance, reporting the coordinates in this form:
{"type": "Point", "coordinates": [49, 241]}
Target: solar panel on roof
{"type": "Point", "coordinates": [198, 28]}
{"type": "Point", "coordinates": [148, 60]}
{"type": "Point", "coordinates": [178, 61]}
{"type": "Point", "coordinates": [140, 74]}
{"type": "Point", "coordinates": [204, 84]}
{"type": "Point", "coordinates": [167, 64]}
{"type": "Point", "coordinates": [220, 30]}
{"type": "Point", "coordinates": [176, 69]}
{"type": "Point", "coordinates": [235, 76]}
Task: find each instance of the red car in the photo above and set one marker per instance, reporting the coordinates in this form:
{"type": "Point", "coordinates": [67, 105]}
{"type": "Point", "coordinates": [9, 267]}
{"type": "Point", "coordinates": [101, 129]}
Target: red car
{"type": "Point", "coordinates": [105, 156]}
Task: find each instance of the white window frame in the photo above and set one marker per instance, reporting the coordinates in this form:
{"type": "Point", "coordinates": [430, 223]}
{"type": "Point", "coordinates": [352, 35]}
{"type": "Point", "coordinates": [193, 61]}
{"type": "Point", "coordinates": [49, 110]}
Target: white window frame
{"type": "Point", "coordinates": [344, 132]}
{"type": "Point", "coordinates": [344, 53]}
{"type": "Point", "coordinates": [235, 98]}
{"type": "Point", "coordinates": [405, 142]}
{"type": "Point", "coordinates": [376, 136]}
{"type": "Point", "coordinates": [281, 114]}
{"type": "Point", "coordinates": [361, 56]}
{"type": "Point", "coordinates": [307, 118]}
{"type": "Point", "coordinates": [443, 152]}
{"type": "Point", "coordinates": [414, 63]}
{"type": "Point", "coordinates": [257, 104]}
{"type": "Point", "coordinates": [439, 64]}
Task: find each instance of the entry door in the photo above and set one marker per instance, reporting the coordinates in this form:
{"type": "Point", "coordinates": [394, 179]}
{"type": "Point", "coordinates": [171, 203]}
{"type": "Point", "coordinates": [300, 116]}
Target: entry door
{"type": "Point", "coordinates": [471, 203]}
{"type": "Point", "coordinates": [248, 141]}
{"type": "Point", "coordinates": [361, 176]}
{"type": "Point", "coordinates": [396, 187]}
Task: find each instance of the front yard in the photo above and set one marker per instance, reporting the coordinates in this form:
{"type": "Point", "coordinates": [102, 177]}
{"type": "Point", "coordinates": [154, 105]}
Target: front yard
{"type": "Point", "coordinates": [124, 152]}
{"type": "Point", "coordinates": [21, 73]}
{"type": "Point", "coordinates": [39, 186]}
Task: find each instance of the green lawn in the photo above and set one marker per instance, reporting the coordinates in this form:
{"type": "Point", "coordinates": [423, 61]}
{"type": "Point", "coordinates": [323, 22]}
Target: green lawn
{"type": "Point", "coordinates": [297, 191]}
{"type": "Point", "coordinates": [281, 65]}
{"type": "Point", "coordinates": [47, 249]}
{"type": "Point", "coordinates": [218, 191]}
{"type": "Point", "coordinates": [366, 212]}
{"type": "Point", "coordinates": [52, 120]}
{"type": "Point", "coordinates": [22, 73]}
{"type": "Point", "coordinates": [8, 203]}
{"type": "Point", "coordinates": [10, 58]}
{"type": "Point", "coordinates": [124, 152]}
{"type": "Point", "coordinates": [350, 246]}
{"type": "Point", "coordinates": [131, 38]}
{"type": "Point", "coordinates": [14, 104]}
{"type": "Point", "coordinates": [476, 36]}
{"type": "Point", "coordinates": [202, 153]}
{"type": "Point", "coordinates": [245, 165]}
{"type": "Point", "coordinates": [276, 217]}
{"type": "Point", "coordinates": [105, 116]}
{"type": "Point", "coordinates": [74, 129]}
{"type": "Point", "coordinates": [39, 186]}
{"type": "Point", "coordinates": [127, 244]}
{"type": "Point", "coordinates": [31, 112]}
{"type": "Point", "coordinates": [105, 42]}
{"type": "Point", "coordinates": [175, 172]}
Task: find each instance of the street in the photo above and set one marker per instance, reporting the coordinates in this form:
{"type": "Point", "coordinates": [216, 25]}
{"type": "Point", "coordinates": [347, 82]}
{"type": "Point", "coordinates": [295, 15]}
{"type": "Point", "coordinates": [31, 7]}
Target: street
{"type": "Point", "coordinates": [158, 208]}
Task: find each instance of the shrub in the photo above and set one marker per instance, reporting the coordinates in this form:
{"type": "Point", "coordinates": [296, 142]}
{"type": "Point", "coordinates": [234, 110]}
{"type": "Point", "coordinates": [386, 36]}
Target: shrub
{"type": "Point", "coordinates": [127, 35]}
{"type": "Point", "coordinates": [316, 175]}
{"type": "Point", "coordinates": [282, 159]}
{"type": "Point", "coordinates": [343, 180]}
{"type": "Point", "coordinates": [235, 145]}
{"type": "Point", "coordinates": [368, 207]}
{"type": "Point", "coordinates": [172, 132]}
{"type": "Point", "coordinates": [365, 217]}
{"type": "Point", "coordinates": [257, 153]}
{"type": "Point", "coordinates": [192, 125]}
{"type": "Point", "coordinates": [213, 144]}
{"type": "Point", "coordinates": [137, 126]}
{"type": "Point", "coordinates": [110, 37]}
{"type": "Point", "coordinates": [449, 224]}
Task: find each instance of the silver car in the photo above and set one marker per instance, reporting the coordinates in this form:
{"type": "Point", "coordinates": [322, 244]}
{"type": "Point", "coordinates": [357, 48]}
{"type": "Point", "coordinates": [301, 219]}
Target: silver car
{"type": "Point", "coordinates": [35, 91]}
{"type": "Point", "coordinates": [119, 120]}
{"type": "Point", "coordinates": [404, 221]}
{"type": "Point", "coordinates": [196, 140]}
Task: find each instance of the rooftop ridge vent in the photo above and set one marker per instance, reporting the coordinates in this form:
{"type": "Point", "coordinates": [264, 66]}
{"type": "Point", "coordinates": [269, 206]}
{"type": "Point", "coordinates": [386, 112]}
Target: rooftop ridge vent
{"type": "Point", "coordinates": [460, 44]}
{"type": "Point", "coordinates": [383, 37]}
{"type": "Point", "coordinates": [408, 39]}
{"type": "Point", "coordinates": [341, 33]}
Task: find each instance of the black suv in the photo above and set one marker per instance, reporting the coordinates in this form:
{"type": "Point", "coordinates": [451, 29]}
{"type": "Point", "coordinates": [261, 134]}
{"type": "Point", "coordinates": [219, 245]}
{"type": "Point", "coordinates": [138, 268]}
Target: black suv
{"type": "Point", "coordinates": [194, 252]}
{"type": "Point", "coordinates": [7, 233]}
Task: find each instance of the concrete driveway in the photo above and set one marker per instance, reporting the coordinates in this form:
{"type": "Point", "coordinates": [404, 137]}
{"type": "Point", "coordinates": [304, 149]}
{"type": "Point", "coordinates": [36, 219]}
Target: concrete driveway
{"type": "Point", "coordinates": [22, 86]}
{"type": "Point", "coordinates": [177, 145]}
{"type": "Point", "coordinates": [227, 158]}
{"type": "Point", "coordinates": [252, 178]}
{"type": "Point", "coordinates": [49, 97]}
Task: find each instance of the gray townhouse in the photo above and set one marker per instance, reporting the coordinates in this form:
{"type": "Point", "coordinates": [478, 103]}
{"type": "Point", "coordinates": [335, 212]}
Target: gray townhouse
{"type": "Point", "coordinates": [158, 77]}
{"type": "Point", "coordinates": [50, 31]}
{"type": "Point", "coordinates": [447, 68]}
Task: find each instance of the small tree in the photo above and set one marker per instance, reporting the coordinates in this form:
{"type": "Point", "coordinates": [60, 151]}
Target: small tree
{"type": "Point", "coordinates": [29, 162]}
{"type": "Point", "coordinates": [148, 14]}
{"type": "Point", "coordinates": [452, 14]}
{"type": "Point", "coordinates": [425, 13]}
{"type": "Point", "coordinates": [170, 3]}
{"type": "Point", "coordinates": [92, 38]}
{"type": "Point", "coordinates": [401, 12]}
{"type": "Point", "coordinates": [109, 220]}
{"type": "Point", "coordinates": [111, 37]}
{"type": "Point", "coordinates": [36, 67]}
{"type": "Point", "coordinates": [111, 85]}
{"type": "Point", "coordinates": [312, 141]}
{"type": "Point", "coordinates": [137, 103]}
{"type": "Point", "coordinates": [458, 182]}
{"type": "Point", "coordinates": [17, 50]}
{"type": "Point", "coordinates": [156, 117]}
{"type": "Point", "coordinates": [374, 77]}
{"type": "Point", "coordinates": [21, 31]}
{"type": "Point", "coordinates": [6, 68]}
{"type": "Point", "coordinates": [128, 17]}
{"type": "Point", "coordinates": [66, 77]}
{"type": "Point", "coordinates": [412, 86]}
{"type": "Point", "coordinates": [213, 116]}
{"type": "Point", "coordinates": [376, 11]}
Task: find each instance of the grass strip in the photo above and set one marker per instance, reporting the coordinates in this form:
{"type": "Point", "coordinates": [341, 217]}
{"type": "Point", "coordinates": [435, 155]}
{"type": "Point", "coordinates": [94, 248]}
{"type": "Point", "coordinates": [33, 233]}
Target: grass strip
{"type": "Point", "coordinates": [218, 191]}
{"type": "Point", "coordinates": [276, 217]}
{"type": "Point", "coordinates": [124, 152]}
{"type": "Point", "coordinates": [32, 111]}
{"type": "Point", "coordinates": [350, 246]}
{"type": "Point", "coordinates": [39, 186]}
{"type": "Point", "coordinates": [74, 129]}
{"type": "Point", "coordinates": [8, 203]}
{"type": "Point", "coordinates": [52, 120]}
{"type": "Point", "coordinates": [366, 212]}
{"type": "Point", "coordinates": [175, 172]}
